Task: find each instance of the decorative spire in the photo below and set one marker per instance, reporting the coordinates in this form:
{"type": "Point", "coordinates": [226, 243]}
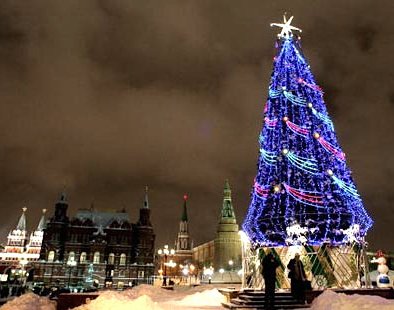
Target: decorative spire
{"type": "Point", "coordinates": [63, 197]}
{"type": "Point", "coordinates": [144, 219]}
{"type": "Point", "coordinates": [286, 28]}
{"type": "Point", "coordinates": [227, 190]}
{"type": "Point", "coordinates": [146, 202]}
{"type": "Point", "coordinates": [183, 240]}
{"type": "Point", "coordinates": [227, 212]}
{"type": "Point", "coordinates": [184, 214]}
{"type": "Point", "coordinates": [22, 220]}
{"type": "Point", "coordinates": [41, 224]}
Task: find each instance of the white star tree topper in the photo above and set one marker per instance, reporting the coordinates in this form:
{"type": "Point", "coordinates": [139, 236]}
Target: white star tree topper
{"type": "Point", "coordinates": [286, 27]}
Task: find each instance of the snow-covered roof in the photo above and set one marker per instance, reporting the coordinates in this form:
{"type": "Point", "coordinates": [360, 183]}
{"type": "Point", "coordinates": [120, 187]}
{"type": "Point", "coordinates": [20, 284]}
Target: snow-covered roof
{"type": "Point", "coordinates": [102, 218]}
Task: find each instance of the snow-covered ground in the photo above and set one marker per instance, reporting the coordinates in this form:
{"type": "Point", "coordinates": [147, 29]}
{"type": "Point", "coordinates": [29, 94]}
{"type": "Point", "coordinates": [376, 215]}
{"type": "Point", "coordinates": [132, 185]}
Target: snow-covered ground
{"type": "Point", "coordinates": [29, 301]}
{"type": "Point", "coordinates": [330, 300]}
{"type": "Point", "coordinates": [146, 297]}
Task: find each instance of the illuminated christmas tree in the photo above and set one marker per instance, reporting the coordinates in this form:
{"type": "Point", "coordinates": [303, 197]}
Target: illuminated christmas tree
{"type": "Point", "coordinates": [304, 192]}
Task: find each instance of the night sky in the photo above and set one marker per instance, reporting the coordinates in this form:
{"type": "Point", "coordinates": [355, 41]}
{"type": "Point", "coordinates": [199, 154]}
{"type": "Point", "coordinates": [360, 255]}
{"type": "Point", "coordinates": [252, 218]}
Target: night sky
{"type": "Point", "coordinates": [105, 97]}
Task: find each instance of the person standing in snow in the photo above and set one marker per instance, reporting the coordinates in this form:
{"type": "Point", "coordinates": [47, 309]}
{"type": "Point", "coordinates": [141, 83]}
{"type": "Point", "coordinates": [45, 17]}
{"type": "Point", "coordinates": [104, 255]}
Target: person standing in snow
{"type": "Point", "coordinates": [298, 278]}
{"type": "Point", "coordinates": [269, 274]}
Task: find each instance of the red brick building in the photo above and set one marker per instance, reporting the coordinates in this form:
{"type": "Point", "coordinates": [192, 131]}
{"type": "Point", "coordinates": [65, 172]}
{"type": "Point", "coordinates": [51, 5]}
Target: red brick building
{"type": "Point", "coordinates": [100, 248]}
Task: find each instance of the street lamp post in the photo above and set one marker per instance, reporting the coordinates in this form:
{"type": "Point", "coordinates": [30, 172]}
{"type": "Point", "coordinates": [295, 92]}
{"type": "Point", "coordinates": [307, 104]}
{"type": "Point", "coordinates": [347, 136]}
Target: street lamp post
{"type": "Point", "coordinates": [231, 263]}
{"type": "Point", "coordinates": [230, 269]}
{"type": "Point", "coordinates": [70, 264]}
{"type": "Point", "coordinates": [170, 264]}
{"type": "Point", "coordinates": [185, 272]}
{"type": "Point", "coordinates": [221, 271]}
{"type": "Point", "coordinates": [191, 268]}
{"type": "Point", "coordinates": [165, 252]}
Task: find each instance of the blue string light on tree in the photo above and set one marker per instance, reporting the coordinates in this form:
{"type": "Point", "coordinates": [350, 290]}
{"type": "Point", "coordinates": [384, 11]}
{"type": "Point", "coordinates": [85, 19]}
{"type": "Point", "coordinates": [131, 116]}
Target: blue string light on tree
{"type": "Point", "coordinates": [303, 192]}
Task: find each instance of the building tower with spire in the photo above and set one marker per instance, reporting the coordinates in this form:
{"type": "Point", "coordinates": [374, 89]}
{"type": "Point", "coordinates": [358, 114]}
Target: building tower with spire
{"type": "Point", "coordinates": [55, 233]}
{"type": "Point", "coordinates": [227, 244]}
{"type": "Point", "coordinates": [144, 236]}
{"type": "Point", "coordinates": [19, 246]}
{"type": "Point", "coordinates": [35, 240]}
{"type": "Point", "coordinates": [17, 238]}
{"type": "Point", "coordinates": [183, 242]}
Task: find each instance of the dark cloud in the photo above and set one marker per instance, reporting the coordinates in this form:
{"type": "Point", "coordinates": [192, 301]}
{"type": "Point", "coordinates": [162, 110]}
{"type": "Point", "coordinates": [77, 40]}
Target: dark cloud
{"type": "Point", "coordinates": [104, 97]}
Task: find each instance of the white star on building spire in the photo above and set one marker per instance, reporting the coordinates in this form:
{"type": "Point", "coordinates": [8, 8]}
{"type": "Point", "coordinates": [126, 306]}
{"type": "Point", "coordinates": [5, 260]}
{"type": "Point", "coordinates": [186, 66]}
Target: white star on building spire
{"type": "Point", "coordinates": [286, 28]}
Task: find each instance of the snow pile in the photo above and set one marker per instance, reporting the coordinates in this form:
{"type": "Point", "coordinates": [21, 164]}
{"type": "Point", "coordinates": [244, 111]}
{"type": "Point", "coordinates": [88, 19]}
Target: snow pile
{"type": "Point", "coordinates": [154, 292]}
{"type": "Point", "coordinates": [147, 297]}
{"type": "Point", "coordinates": [211, 299]}
{"type": "Point", "coordinates": [138, 298]}
{"type": "Point", "coordinates": [330, 300]}
{"type": "Point", "coordinates": [207, 298]}
{"type": "Point", "coordinates": [29, 301]}
{"type": "Point", "coordinates": [116, 301]}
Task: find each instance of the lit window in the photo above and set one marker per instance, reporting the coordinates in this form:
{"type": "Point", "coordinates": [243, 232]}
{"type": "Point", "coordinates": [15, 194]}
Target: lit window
{"type": "Point", "coordinates": [51, 256]}
{"type": "Point", "coordinates": [122, 259]}
{"type": "Point", "coordinates": [71, 256]}
{"type": "Point", "coordinates": [111, 258]}
{"type": "Point", "coordinates": [96, 258]}
{"type": "Point", "coordinates": [82, 258]}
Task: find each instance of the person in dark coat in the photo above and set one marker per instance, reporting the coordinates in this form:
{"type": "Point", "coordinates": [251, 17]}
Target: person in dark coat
{"type": "Point", "coordinates": [298, 278]}
{"type": "Point", "coordinates": [269, 274]}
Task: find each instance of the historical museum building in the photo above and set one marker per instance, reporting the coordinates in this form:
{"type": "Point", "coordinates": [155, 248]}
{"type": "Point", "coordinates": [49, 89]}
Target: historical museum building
{"type": "Point", "coordinates": [98, 248]}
